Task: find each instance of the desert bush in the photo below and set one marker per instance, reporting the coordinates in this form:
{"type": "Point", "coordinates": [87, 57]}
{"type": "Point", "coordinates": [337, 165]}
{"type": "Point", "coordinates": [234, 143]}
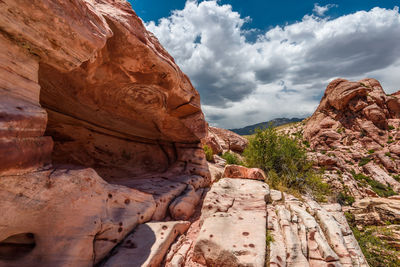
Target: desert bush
{"type": "Point", "coordinates": [344, 198]}
{"type": "Point", "coordinates": [377, 251]}
{"type": "Point", "coordinates": [231, 158]}
{"type": "Point", "coordinates": [209, 153]}
{"type": "Point", "coordinates": [364, 161]}
{"type": "Point", "coordinates": [379, 188]}
{"type": "Point", "coordinates": [284, 159]}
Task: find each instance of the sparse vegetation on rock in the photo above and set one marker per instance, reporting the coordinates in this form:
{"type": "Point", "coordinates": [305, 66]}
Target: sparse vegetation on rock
{"type": "Point", "coordinates": [377, 251]}
{"type": "Point", "coordinates": [231, 158]}
{"type": "Point", "coordinates": [285, 162]}
{"type": "Point", "coordinates": [209, 153]}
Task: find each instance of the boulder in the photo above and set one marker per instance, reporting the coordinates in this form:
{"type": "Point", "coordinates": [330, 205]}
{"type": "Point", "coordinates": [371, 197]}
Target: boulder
{"type": "Point", "coordinates": [393, 104]}
{"type": "Point", "coordinates": [339, 92]}
{"type": "Point", "coordinates": [387, 161]}
{"type": "Point", "coordinates": [222, 140]}
{"type": "Point", "coordinates": [395, 149]}
{"type": "Point", "coordinates": [237, 171]}
{"type": "Point", "coordinates": [378, 174]}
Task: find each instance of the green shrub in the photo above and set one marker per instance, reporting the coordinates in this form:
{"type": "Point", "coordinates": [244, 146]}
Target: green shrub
{"type": "Point", "coordinates": [269, 238]}
{"type": "Point", "coordinates": [371, 151]}
{"type": "Point", "coordinates": [363, 161]}
{"type": "Point", "coordinates": [285, 162]}
{"type": "Point", "coordinates": [209, 153]}
{"type": "Point", "coordinates": [379, 188]}
{"type": "Point", "coordinates": [306, 143]}
{"type": "Point", "coordinates": [397, 177]}
{"type": "Point", "coordinates": [391, 127]}
{"type": "Point", "coordinates": [377, 251]}
{"type": "Point", "coordinates": [231, 158]}
{"type": "Point", "coordinates": [345, 199]}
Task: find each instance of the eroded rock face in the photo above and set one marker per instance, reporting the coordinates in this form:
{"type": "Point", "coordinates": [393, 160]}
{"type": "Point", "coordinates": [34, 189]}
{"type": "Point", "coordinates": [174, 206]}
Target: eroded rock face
{"type": "Point", "coordinates": [115, 98]}
{"type": "Point", "coordinates": [74, 216]}
{"type": "Point", "coordinates": [82, 83]}
{"type": "Point", "coordinates": [236, 213]}
{"type": "Point", "coordinates": [361, 108]}
{"type": "Point", "coordinates": [222, 140]}
{"type": "Point", "coordinates": [354, 135]}
{"type": "Point", "coordinates": [376, 211]}
{"type": "Point", "coordinates": [234, 208]}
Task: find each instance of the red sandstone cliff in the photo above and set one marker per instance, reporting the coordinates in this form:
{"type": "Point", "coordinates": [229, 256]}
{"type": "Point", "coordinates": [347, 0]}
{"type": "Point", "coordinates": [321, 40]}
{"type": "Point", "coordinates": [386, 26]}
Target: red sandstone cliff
{"type": "Point", "coordinates": [83, 84]}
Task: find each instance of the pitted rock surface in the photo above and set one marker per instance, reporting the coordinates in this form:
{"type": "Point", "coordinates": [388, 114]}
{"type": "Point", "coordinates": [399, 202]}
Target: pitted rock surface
{"type": "Point", "coordinates": [233, 224]}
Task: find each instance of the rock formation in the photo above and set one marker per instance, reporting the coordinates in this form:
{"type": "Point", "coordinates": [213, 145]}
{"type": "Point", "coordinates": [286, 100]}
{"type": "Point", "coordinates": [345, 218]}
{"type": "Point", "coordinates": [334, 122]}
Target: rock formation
{"type": "Point", "coordinates": [231, 230]}
{"type": "Point", "coordinates": [354, 111]}
{"type": "Point", "coordinates": [354, 136]}
{"type": "Point", "coordinates": [101, 159]}
{"type": "Point", "coordinates": [355, 130]}
{"type": "Point", "coordinates": [222, 140]}
{"type": "Point", "coordinates": [85, 91]}
{"type": "Point", "coordinates": [115, 99]}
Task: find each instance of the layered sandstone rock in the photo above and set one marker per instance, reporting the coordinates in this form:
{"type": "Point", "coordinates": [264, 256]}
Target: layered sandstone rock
{"type": "Point", "coordinates": [222, 140]}
{"type": "Point", "coordinates": [147, 245]}
{"type": "Point", "coordinates": [355, 131]}
{"type": "Point", "coordinates": [376, 211]}
{"type": "Point", "coordinates": [360, 109]}
{"type": "Point", "coordinates": [233, 224]}
{"type": "Point", "coordinates": [115, 99]}
{"type": "Point", "coordinates": [238, 217]}
{"type": "Point", "coordinates": [74, 217]}
{"type": "Point", "coordinates": [82, 83]}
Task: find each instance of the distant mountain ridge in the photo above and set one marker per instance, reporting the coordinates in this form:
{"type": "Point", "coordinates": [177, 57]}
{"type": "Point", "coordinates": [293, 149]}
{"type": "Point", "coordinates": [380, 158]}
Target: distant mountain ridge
{"type": "Point", "coordinates": [276, 122]}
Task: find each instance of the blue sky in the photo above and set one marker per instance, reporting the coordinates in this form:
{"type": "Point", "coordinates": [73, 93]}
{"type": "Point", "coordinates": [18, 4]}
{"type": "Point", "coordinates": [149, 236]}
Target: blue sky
{"type": "Point", "coordinates": [263, 13]}
{"type": "Point", "coordinates": [252, 61]}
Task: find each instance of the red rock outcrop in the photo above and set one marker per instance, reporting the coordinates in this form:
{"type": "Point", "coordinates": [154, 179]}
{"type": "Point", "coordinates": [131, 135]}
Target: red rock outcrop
{"type": "Point", "coordinates": [82, 83]}
{"type": "Point", "coordinates": [115, 99]}
{"type": "Point", "coordinates": [237, 171]}
{"type": "Point", "coordinates": [353, 111]}
{"type": "Point", "coordinates": [222, 140]}
{"type": "Point", "coordinates": [354, 134]}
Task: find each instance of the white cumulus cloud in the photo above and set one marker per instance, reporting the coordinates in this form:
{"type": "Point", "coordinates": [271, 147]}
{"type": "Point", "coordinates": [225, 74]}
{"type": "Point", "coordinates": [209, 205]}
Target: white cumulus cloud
{"type": "Point", "coordinates": [321, 10]}
{"type": "Point", "coordinates": [286, 70]}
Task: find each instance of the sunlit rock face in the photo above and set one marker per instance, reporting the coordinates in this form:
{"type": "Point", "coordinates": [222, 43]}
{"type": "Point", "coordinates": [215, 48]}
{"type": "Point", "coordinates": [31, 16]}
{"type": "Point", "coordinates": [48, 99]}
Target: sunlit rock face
{"type": "Point", "coordinates": [115, 99]}
{"type": "Point", "coordinates": [361, 109]}
{"type": "Point", "coordinates": [354, 134]}
{"type": "Point", "coordinates": [87, 94]}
